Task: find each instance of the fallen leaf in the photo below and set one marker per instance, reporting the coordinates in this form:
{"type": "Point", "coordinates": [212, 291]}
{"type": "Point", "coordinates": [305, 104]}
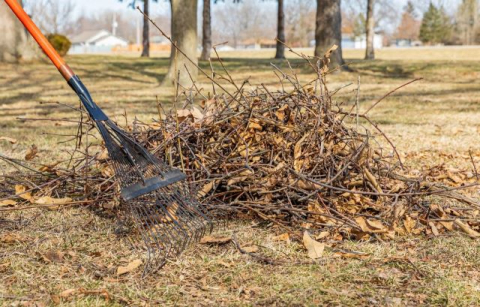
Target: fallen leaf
{"type": "Point", "coordinates": [10, 140]}
{"type": "Point", "coordinates": [322, 235]}
{"type": "Point", "coordinates": [31, 153]}
{"type": "Point", "coordinates": [375, 224]}
{"type": "Point", "coordinates": [103, 156]}
{"type": "Point", "coordinates": [197, 114]}
{"type": "Point", "coordinates": [250, 249]}
{"type": "Point", "coordinates": [53, 256]}
{"type": "Point", "coordinates": [448, 225]}
{"type": "Point", "coordinates": [362, 223]}
{"type": "Point", "coordinates": [54, 202]}
{"type": "Point", "coordinates": [466, 228]}
{"type": "Point", "coordinates": [10, 238]}
{"type": "Point", "coordinates": [350, 254]}
{"type": "Point", "coordinates": [20, 192]}
{"type": "Point", "coordinates": [409, 224]}
{"type": "Point", "coordinates": [129, 268]}
{"type": "Point", "coordinates": [55, 299]}
{"type": "Point", "coordinates": [206, 188]}
{"type": "Point", "coordinates": [215, 240]}
{"type": "Point", "coordinates": [7, 203]}
{"type": "Point", "coordinates": [315, 249]}
{"type": "Point", "coordinates": [226, 264]}
{"type": "Point", "coordinates": [434, 229]}
{"type": "Point", "coordinates": [283, 237]}
{"type": "Point", "coordinates": [67, 293]}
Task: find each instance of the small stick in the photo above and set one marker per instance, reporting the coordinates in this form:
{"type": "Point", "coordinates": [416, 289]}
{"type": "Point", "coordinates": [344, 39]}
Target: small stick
{"type": "Point", "coordinates": [389, 93]}
{"type": "Point", "coordinates": [473, 163]}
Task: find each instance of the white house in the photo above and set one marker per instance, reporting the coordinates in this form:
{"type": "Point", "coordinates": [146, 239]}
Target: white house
{"type": "Point", "coordinates": [360, 42]}
{"type": "Point", "coordinates": [100, 41]}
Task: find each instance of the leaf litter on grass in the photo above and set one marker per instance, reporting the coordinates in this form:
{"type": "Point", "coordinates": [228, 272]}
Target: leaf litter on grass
{"type": "Point", "coordinates": [293, 157]}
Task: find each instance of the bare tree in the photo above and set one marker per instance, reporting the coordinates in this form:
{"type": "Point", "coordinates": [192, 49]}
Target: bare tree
{"type": "Point", "coordinates": [249, 20]}
{"type": "Point", "coordinates": [370, 52]}
{"type": "Point", "coordinates": [280, 54]}
{"type": "Point", "coordinates": [328, 30]}
{"type": "Point", "coordinates": [184, 34]}
{"type": "Point", "coordinates": [15, 43]}
{"type": "Point", "coordinates": [52, 16]}
{"type": "Point", "coordinates": [146, 30]}
{"type": "Point", "coordinates": [146, 25]}
{"type": "Point", "coordinates": [206, 30]}
{"type": "Point", "coordinates": [467, 20]}
{"type": "Point", "coordinates": [300, 30]}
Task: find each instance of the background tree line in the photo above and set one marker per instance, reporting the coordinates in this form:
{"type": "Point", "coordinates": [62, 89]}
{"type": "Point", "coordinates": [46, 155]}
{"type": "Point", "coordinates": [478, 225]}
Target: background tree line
{"type": "Point", "coordinates": [297, 23]}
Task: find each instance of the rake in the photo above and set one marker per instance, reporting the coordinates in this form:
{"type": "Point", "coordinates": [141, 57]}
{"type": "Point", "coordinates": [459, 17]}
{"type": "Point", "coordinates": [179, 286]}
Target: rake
{"type": "Point", "coordinates": [168, 218]}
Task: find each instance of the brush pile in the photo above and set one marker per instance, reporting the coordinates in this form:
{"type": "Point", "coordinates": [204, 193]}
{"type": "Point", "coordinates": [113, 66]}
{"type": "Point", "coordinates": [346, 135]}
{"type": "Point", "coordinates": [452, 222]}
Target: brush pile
{"type": "Point", "coordinates": [293, 157]}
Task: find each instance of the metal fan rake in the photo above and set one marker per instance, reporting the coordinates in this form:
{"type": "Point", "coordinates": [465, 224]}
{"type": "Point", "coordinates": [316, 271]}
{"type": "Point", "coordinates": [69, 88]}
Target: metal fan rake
{"type": "Point", "coordinates": [167, 216]}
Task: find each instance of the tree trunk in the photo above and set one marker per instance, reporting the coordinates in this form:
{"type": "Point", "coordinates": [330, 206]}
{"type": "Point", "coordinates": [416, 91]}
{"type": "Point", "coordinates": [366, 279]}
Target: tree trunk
{"type": "Point", "coordinates": [370, 52]}
{"type": "Point", "coordinates": [184, 34]}
{"type": "Point", "coordinates": [15, 44]}
{"type": "Point", "coordinates": [207, 31]}
{"type": "Point", "coordinates": [328, 31]}
{"type": "Point", "coordinates": [280, 31]}
{"type": "Point", "coordinates": [146, 30]}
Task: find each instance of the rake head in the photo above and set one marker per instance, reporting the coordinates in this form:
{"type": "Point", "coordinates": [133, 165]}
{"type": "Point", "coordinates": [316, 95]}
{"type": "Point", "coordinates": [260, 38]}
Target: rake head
{"type": "Point", "coordinates": [165, 213]}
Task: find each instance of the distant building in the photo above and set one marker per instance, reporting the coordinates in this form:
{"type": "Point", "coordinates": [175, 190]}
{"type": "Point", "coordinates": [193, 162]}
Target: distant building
{"type": "Point", "coordinates": [100, 41]}
{"type": "Point", "coordinates": [257, 44]}
{"type": "Point", "coordinates": [360, 42]}
{"type": "Point", "coordinates": [400, 42]}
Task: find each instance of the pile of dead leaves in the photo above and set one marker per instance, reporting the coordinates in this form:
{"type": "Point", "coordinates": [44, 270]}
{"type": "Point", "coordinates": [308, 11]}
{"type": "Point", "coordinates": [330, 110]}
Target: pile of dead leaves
{"type": "Point", "coordinates": [293, 159]}
{"type": "Point", "coordinates": [296, 158]}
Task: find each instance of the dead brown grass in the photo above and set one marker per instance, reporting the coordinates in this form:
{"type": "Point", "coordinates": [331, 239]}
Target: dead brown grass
{"type": "Point", "coordinates": [434, 121]}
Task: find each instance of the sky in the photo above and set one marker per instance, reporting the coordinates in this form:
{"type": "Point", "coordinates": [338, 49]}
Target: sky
{"type": "Point", "coordinates": [92, 6]}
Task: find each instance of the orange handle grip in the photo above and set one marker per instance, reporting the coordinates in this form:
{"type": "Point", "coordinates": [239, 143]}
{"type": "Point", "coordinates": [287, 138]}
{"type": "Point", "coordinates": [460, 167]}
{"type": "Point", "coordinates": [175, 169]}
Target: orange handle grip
{"type": "Point", "coordinates": [42, 41]}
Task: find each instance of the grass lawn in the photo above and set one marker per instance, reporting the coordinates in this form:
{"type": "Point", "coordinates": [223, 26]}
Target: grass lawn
{"type": "Point", "coordinates": [432, 121]}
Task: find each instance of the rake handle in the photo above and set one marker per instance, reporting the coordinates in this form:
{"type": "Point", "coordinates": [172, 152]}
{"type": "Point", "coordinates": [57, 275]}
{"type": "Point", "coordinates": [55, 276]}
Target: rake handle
{"type": "Point", "coordinates": [73, 80]}
{"type": "Point", "coordinates": [42, 41]}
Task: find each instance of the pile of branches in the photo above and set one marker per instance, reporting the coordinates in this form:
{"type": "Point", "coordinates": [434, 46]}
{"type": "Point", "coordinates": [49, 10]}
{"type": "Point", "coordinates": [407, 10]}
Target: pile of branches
{"type": "Point", "coordinates": [295, 157]}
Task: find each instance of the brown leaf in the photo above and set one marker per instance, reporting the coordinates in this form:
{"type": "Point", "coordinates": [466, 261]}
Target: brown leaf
{"type": "Point", "coordinates": [10, 140]}
{"type": "Point", "coordinates": [215, 240]}
{"type": "Point", "coordinates": [254, 126]}
{"type": "Point", "coordinates": [206, 188]}
{"type": "Point", "coordinates": [375, 224]}
{"type": "Point", "coordinates": [10, 238]}
{"type": "Point", "coordinates": [315, 249]}
{"type": "Point", "coordinates": [322, 235]}
{"type": "Point", "coordinates": [250, 249]}
{"type": "Point", "coordinates": [466, 228]}
{"type": "Point", "coordinates": [350, 254]}
{"type": "Point", "coordinates": [283, 237]}
{"type": "Point", "coordinates": [31, 153]}
{"type": "Point", "coordinates": [409, 224]}
{"type": "Point", "coordinates": [448, 225]}
{"type": "Point", "coordinates": [107, 171]}
{"type": "Point", "coordinates": [53, 256]}
{"type": "Point", "coordinates": [55, 299]}
{"type": "Point", "coordinates": [129, 268]}
{"type": "Point", "coordinates": [183, 114]}
{"type": "Point", "coordinates": [103, 156]}
{"type": "Point", "coordinates": [54, 202]}
{"type": "Point", "coordinates": [7, 203]}
{"type": "Point", "coordinates": [434, 229]}
{"type": "Point", "coordinates": [68, 293]}
{"type": "Point", "coordinates": [362, 223]}
{"type": "Point", "coordinates": [197, 114]}
{"type": "Point", "coordinates": [172, 213]}
{"type": "Point", "coordinates": [20, 192]}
